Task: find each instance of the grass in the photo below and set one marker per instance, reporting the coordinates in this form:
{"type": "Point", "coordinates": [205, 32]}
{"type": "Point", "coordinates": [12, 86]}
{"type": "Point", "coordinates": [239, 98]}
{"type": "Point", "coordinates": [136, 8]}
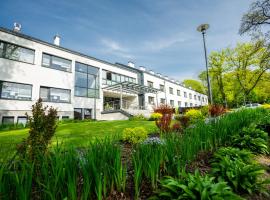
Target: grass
{"type": "Point", "coordinates": [74, 134]}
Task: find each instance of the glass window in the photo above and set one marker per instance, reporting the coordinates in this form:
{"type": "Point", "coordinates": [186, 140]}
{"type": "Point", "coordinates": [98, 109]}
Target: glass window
{"type": "Point", "coordinates": [191, 104]}
{"type": "Point", "coordinates": [55, 95]}
{"type": "Point", "coordinates": [22, 120]}
{"type": "Point", "coordinates": [109, 76]}
{"type": "Point", "coordinates": [199, 98]}
{"type": "Point", "coordinates": [113, 77]}
{"type": "Point", "coordinates": [81, 92]}
{"type": "Point", "coordinates": [202, 99]}
{"type": "Point", "coordinates": [77, 113]}
{"type": "Point", "coordinates": [162, 101]}
{"type": "Point", "coordinates": [195, 97]}
{"type": "Point", "coordinates": [185, 94]}
{"type": "Point", "coordinates": [80, 79]}
{"type": "Point", "coordinates": [171, 90]}
{"type": "Point", "coordinates": [65, 117]}
{"type": "Point", "coordinates": [93, 70]}
{"type": "Point", "coordinates": [87, 113]}
{"type": "Point", "coordinates": [186, 104]}
{"type": "Point", "coordinates": [79, 67]}
{"type": "Point", "coordinates": [15, 91]}
{"type": "Point", "coordinates": [151, 100]}
{"type": "Point", "coordinates": [178, 92]}
{"type": "Point", "coordinates": [190, 95]}
{"type": "Point", "coordinates": [56, 62]}
{"type": "Point", "coordinates": [161, 87]}
{"type": "Point", "coordinates": [8, 120]}
{"type": "Point", "coordinates": [172, 103]}
{"type": "Point", "coordinates": [179, 103]}
{"type": "Point", "coordinates": [14, 52]}
{"type": "Point", "coordinates": [150, 84]}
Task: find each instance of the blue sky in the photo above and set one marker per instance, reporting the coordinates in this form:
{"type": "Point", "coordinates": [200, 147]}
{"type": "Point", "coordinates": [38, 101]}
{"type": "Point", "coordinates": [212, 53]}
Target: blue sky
{"type": "Point", "coordinates": [157, 34]}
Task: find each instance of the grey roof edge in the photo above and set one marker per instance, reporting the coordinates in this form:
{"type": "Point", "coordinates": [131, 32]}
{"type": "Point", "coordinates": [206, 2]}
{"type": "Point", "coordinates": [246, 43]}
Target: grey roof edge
{"type": "Point", "coordinates": [120, 65]}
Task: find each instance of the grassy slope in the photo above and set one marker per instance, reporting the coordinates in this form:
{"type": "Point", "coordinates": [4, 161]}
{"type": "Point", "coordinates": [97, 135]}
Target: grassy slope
{"type": "Point", "coordinates": [74, 134]}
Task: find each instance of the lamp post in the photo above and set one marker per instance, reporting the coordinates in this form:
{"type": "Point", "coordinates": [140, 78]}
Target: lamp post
{"type": "Point", "coordinates": [202, 28]}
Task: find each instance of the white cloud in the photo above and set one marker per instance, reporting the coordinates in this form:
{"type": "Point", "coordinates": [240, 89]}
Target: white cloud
{"type": "Point", "coordinates": [114, 47]}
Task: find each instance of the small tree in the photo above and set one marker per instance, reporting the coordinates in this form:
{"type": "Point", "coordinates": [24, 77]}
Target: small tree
{"type": "Point", "coordinates": [164, 122]}
{"type": "Point", "coordinates": [42, 126]}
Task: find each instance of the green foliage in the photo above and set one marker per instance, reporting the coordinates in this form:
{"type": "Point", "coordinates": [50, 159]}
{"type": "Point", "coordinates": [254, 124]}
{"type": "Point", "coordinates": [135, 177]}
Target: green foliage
{"type": "Point", "coordinates": [205, 111]}
{"type": "Point", "coordinates": [7, 127]}
{"type": "Point", "coordinates": [190, 186]}
{"type": "Point", "coordinates": [194, 115]}
{"type": "Point", "coordinates": [242, 177]}
{"type": "Point", "coordinates": [139, 117]}
{"type": "Point", "coordinates": [164, 122]}
{"type": "Point", "coordinates": [194, 84]}
{"type": "Point", "coordinates": [251, 138]}
{"type": "Point", "coordinates": [42, 128]}
{"type": "Point", "coordinates": [134, 135]}
{"type": "Point", "coordinates": [155, 116]}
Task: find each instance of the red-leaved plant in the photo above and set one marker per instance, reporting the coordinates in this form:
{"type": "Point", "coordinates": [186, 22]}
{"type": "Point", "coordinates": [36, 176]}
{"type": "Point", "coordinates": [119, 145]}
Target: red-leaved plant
{"type": "Point", "coordinates": [216, 110]}
{"type": "Point", "coordinates": [164, 122]}
{"type": "Point", "coordinates": [177, 127]}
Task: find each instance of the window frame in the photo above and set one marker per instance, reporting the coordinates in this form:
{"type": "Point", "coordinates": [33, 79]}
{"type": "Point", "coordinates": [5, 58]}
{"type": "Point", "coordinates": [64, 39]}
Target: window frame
{"type": "Point", "coordinates": [50, 66]}
{"type": "Point", "coordinates": [50, 94]}
{"type": "Point", "coordinates": [178, 92]}
{"type": "Point", "coordinates": [9, 117]}
{"type": "Point", "coordinates": [5, 42]}
{"type": "Point", "coordinates": [171, 90]}
{"type": "Point", "coordinates": [16, 83]}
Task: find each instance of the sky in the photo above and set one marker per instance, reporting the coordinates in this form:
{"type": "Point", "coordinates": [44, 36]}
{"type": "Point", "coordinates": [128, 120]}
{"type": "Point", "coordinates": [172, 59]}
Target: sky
{"type": "Point", "coordinates": [157, 34]}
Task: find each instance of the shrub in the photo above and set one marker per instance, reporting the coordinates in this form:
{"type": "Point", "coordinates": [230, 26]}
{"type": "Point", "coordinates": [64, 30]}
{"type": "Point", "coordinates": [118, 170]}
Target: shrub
{"type": "Point", "coordinates": [165, 121]}
{"type": "Point", "coordinates": [238, 171]}
{"type": "Point", "coordinates": [134, 135]}
{"type": "Point", "coordinates": [177, 127]}
{"type": "Point", "coordinates": [42, 128]}
{"type": "Point", "coordinates": [184, 120]}
{"type": "Point", "coordinates": [190, 186]}
{"type": "Point", "coordinates": [251, 138]}
{"type": "Point", "coordinates": [155, 116]}
{"type": "Point", "coordinates": [232, 154]}
{"type": "Point", "coordinates": [139, 117]}
{"type": "Point", "coordinates": [216, 110]}
{"type": "Point", "coordinates": [205, 111]}
{"type": "Point", "coordinates": [194, 115]}
{"type": "Point", "coordinates": [266, 106]}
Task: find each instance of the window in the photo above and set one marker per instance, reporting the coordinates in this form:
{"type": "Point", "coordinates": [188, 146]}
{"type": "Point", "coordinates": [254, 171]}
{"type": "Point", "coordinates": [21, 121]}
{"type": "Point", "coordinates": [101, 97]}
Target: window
{"type": "Point", "coordinates": [191, 104]}
{"type": "Point", "coordinates": [171, 90]}
{"type": "Point", "coordinates": [109, 78]}
{"type": "Point", "coordinates": [150, 84]}
{"type": "Point", "coordinates": [185, 94]}
{"type": "Point", "coordinates": [199, 98]}
{"type": "Point", "coordinates": [22, 120]}
{"type": "Point", "coordinates": [202, 99]}
{"type": "Point", "coordinates": [162, 101]}
{"type": "Point", "coordinates": [8, 120]}
{"type": "Point", "coordinates": [55, 95]}
{"type": "Point", "coordinates": [18, 91]}
{"type": "Point", "coordinates": [87, 80]}
{"type": "Point", "coordinates": [178, 92]}
{"type": "Point", "coordinates": [161, 87]}
{"type": "Point", "coordinates": [186, 104]}
{"type": "Point", "coordinates": [172, 103]}
{"type": "Point", "coordinates": [151, 100]}
{"type": "Point", "coordinates": [15, 52]}
{"type": "Point", "coordinates": [195, 97]}
{"type": "Point", "coordinates": [87, 113]}
{"type": "Point", "coordinates": [55, 62]}
{"type": "Point", "coordinates": [65, 117]}
{"type": "Point", "coordinates": [77, 113]}
{"type": "Point", "coordinates": [179, 103]}
{"type": "Point", "coordinates": [190, 95]}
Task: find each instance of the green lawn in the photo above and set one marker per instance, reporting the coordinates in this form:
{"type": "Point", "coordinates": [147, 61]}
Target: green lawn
{"type": "Point", "coordinates": [74, 134]}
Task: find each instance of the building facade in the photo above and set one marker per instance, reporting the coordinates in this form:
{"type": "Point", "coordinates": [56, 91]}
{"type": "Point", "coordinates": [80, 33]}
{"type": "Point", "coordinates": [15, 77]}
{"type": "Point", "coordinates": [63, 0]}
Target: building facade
{"type": "Point", "coordinates": [78, 85]}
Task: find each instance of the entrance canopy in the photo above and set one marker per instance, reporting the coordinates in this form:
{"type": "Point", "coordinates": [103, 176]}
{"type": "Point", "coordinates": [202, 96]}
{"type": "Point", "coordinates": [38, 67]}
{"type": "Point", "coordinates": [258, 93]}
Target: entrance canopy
{"type": "Point", "coordinates": [131, 88]}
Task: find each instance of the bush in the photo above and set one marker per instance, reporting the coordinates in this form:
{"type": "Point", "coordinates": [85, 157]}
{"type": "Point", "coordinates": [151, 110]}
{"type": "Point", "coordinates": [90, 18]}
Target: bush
{"type": "Point", "coordinates": [205, 111]}
{"type": "Point", "coordinates": [195, 186]}
{"type": "Point", "coordinates": [164, 122]}
{"type": "Point", "coordinates": [177, 127]}
{"type": "Point", "coordinates": [42, 128]}
{"type": "Point", "coordinates": [242, 176]}
{"type": "Point", "coordinates": [194, 115]}
{"type": "Point", "coordinates": [134, 135]}
{"type": "Point", "coordinates": [139, 117]}
{"type": "Point", "coordinates": [266, 106]}
{"type": "Point", "coordinates": [155, 116]}
{"type": "Point", "coordinates": [251, 138]}
{"type": "Point", "coordinates": [216, 110]}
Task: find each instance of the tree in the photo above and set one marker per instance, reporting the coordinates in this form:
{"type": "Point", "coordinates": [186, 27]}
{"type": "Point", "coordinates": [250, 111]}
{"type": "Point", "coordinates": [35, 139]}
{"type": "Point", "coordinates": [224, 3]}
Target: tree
{"type": "Point", "coordinates": [195, 85]}
{"type": "Point", "coordinates": [257, 18]}
{"type": "Point", "coordinates": [250, 62]}
{"type": "Point", "coordinates": [218, 66]}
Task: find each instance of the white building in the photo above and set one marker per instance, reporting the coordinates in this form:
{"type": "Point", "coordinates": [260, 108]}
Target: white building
{"type": "Point", "coordinates": [79, 86]}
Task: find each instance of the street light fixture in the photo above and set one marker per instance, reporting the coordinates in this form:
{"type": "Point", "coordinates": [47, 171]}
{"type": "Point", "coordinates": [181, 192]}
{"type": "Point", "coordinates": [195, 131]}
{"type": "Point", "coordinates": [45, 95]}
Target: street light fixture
{"type": "Point", "coordinates": [202, 28]}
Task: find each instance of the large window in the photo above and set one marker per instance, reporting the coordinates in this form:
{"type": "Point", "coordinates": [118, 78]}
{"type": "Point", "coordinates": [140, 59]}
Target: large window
{"type": "Point", "coordinates": [8, 120]}
{"type": "Point", "coordinates": [55, 95]}
{"type": "Point", "coordinates": [110, 78]}
{"type": "Point", "coordinates": [178, 92]}
{"type": "Point", "coordinates": [151, 100]}
{"type": "Point", "coordinates": [15, 52]}
{"type": "Point", "coordinates": [56, 62]}
{"type": "Point", "coordinates": [172, 103]}
{"type": "Point", "coordinates": [162, 101]}
{"type": "Point", "coordinates": [161, 87]}
{"type": "Point", "coordinates": [86, 81]}
{"type": "Point", "coordinates": [18, 91]}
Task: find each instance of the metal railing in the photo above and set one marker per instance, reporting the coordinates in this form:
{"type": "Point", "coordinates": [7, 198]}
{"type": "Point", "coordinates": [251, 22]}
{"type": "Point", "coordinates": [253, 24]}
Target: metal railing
{"type": "Point", "coordinates": [115, 105]}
